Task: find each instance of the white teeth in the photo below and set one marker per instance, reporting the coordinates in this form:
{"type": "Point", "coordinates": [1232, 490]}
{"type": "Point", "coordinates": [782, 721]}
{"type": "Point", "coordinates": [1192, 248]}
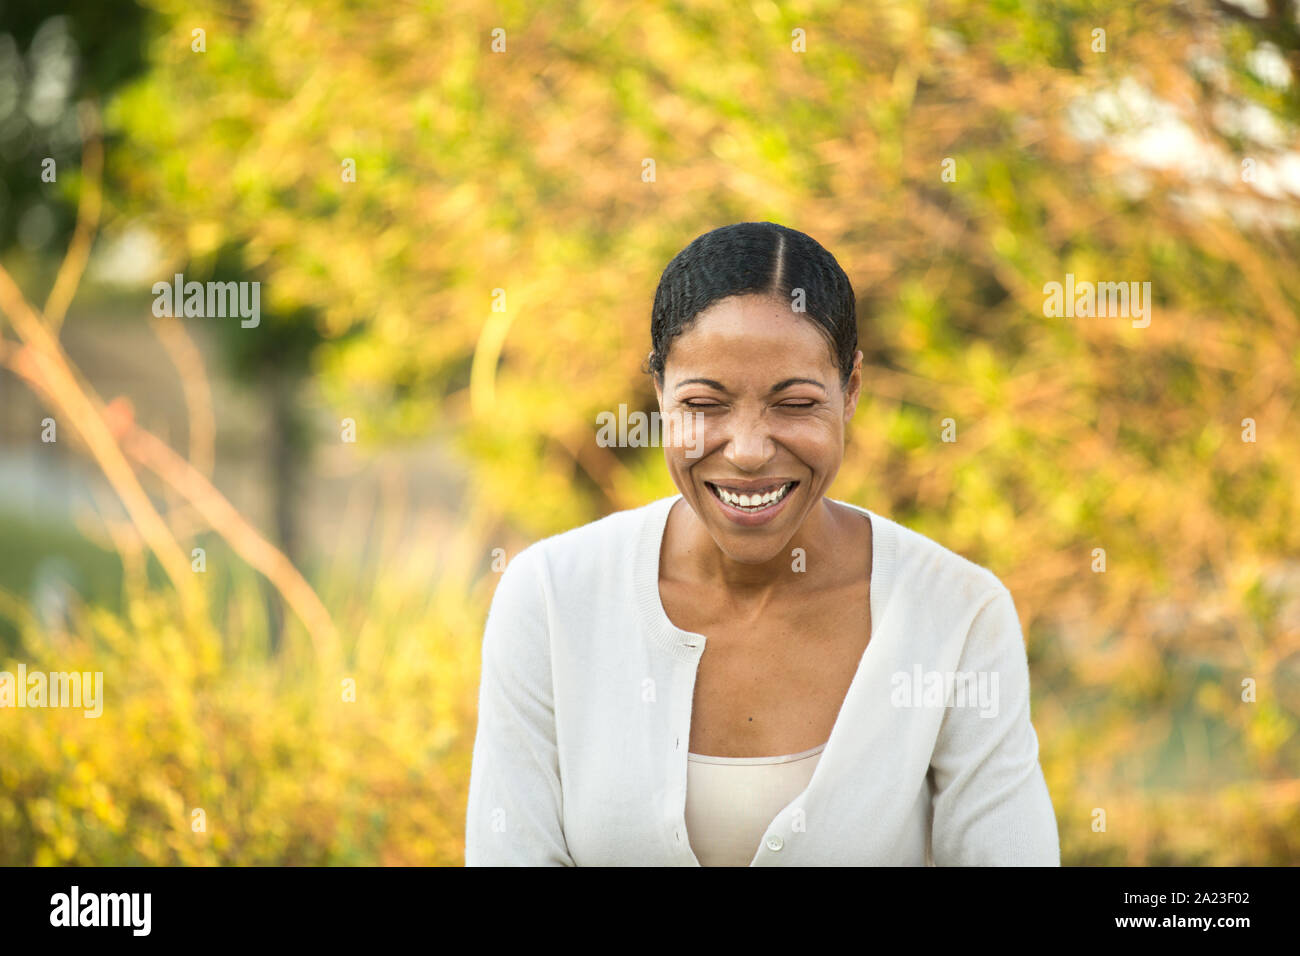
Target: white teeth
{"type": "Point", "coordinates": [754, 502]}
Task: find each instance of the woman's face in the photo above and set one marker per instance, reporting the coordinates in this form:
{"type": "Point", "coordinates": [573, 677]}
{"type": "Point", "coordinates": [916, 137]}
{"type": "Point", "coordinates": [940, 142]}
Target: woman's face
{"type": "Point", "coordinates": [761, 385]}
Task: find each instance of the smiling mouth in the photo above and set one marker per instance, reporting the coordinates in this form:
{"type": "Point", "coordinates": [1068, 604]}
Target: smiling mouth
{"type": "Point", "coordinates": [755, 501]}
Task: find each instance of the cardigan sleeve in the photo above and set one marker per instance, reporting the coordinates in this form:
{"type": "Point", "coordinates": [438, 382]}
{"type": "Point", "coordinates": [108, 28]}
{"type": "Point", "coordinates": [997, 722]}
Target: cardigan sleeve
{"type": "Point", "coordinates": [514, 811]}
{"type": "Point", "coordinates": [990, 800]}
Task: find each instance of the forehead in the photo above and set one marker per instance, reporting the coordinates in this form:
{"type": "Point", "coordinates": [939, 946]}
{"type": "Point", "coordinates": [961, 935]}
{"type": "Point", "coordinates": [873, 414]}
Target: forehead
{"type": "Point", "coordinates": [751, 336]}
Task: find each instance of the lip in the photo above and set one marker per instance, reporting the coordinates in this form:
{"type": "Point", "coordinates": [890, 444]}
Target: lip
{"type": "Point", "coordinates": [750, 519]}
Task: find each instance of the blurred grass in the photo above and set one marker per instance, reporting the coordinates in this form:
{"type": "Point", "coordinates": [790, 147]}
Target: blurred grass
{"type": "Point", "coordinates": [28, 543]}
{"type": "Point", "coordinates": [285, 771]}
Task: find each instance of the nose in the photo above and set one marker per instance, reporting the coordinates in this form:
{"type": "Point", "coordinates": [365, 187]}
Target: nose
{"type": "Point", "coordinates": [749, 446]}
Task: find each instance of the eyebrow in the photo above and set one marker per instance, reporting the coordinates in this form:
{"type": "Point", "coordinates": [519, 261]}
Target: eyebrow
{"type": "Point", "coordinates": [778, 387]}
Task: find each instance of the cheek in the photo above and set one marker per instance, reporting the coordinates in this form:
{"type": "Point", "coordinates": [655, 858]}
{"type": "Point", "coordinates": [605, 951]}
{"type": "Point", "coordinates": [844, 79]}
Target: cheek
{"type": "Point", "coordinates": [815, 435]}
{"type": "Point", "coordinates": [820, 449]}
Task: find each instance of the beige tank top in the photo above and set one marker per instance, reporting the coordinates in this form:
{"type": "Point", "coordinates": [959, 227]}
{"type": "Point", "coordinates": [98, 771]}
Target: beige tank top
{"type": "Point", "coordinates": [730, 801]}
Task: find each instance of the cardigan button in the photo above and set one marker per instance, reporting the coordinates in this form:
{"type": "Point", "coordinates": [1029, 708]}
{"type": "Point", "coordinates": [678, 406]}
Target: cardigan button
{"type": "Point", "coordinates": [774, 842]}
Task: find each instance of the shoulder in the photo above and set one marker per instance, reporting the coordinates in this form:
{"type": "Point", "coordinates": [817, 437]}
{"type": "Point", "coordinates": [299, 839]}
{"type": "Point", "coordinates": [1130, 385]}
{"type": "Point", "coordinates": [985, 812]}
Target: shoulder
{"type": "Point", "coordinates": [585, 555]}
{"type": "Point", "coordinates": [945, 603]}
{"type": "Point", "coordinates": [925, 570]}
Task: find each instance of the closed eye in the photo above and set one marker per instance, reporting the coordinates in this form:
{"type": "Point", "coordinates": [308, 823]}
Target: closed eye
{"type": "Point", "coordinates": [707, 404]}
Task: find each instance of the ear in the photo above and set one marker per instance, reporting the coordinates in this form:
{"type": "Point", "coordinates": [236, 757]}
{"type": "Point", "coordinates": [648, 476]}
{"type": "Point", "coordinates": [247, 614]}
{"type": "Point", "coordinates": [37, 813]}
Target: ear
{"type": "Point", "coordinates": [853, 391]}
{"type": "Point", "coordinates": [659, 385]}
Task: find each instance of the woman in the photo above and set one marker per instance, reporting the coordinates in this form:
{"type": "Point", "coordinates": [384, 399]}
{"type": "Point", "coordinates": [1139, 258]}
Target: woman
{"type": "Point", "coordinates": [751, 672]}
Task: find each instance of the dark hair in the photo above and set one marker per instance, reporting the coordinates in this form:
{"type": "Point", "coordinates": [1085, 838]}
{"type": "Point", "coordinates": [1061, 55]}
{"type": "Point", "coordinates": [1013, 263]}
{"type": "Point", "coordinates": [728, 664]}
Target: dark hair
{"type": "Point", "coordinates": [754, 258]}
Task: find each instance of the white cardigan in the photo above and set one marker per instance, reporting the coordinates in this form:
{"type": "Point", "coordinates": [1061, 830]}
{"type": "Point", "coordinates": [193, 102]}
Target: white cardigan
{"type": "Point", "coordinates": [585, 710]}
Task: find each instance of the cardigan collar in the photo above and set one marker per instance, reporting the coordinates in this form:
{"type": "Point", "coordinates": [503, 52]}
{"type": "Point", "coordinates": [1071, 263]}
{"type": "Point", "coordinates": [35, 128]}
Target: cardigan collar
{"type": "Point", "coordinates": [688, 646]}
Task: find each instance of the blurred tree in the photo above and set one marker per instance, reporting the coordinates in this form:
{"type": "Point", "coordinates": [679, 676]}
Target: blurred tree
{"type": "Point", "coordinates": [399, 170]}
{"type": "Point", "coordinates": [54, 53]}
{"type": "Point", "coordinates": [273, 358]}
{"type": "Point", "coordinates": [393, 173]}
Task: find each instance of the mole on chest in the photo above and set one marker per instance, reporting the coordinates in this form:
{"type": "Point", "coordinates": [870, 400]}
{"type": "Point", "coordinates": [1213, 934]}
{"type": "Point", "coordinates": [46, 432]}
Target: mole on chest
{"type": "Point", "coordinates": [786, 704]}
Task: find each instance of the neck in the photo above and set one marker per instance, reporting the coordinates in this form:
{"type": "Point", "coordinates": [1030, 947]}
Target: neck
{"type": "Point", "coordinates": [702, 559]}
